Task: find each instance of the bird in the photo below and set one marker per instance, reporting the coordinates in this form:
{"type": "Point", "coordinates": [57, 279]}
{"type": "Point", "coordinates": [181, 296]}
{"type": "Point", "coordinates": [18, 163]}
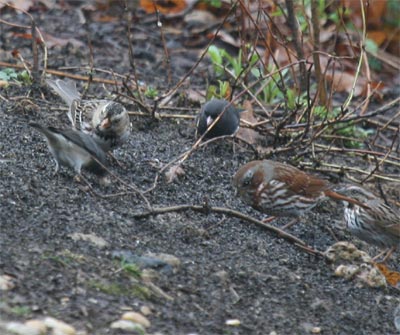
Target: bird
{"type": "Point", "coordinates": [377, 224]}
{"type": "Point", "coordinates": [282, 190]}
{"type": "Point", "coordinates": [228, 124]}
{"type": "Point", "coordinates": [105, 120]}
{"type": "Point", "coordinates": [74, 149]}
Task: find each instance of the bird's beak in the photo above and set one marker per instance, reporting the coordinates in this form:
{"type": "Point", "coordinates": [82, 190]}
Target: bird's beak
{"type": "Point", "coordinates": [106, 123]}
{"type": "Point", "coordinates": [209, 120]}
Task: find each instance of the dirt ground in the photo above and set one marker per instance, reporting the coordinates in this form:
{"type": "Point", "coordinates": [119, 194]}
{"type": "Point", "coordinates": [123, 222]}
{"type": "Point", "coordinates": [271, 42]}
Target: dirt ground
{"type": "Point", "coordinates": [225, 268]}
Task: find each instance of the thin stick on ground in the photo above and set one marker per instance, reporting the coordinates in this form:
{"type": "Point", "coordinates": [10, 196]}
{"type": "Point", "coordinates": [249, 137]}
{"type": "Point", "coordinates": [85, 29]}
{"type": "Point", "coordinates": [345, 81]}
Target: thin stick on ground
{"type": "Point", "coordinates": [231, 212]}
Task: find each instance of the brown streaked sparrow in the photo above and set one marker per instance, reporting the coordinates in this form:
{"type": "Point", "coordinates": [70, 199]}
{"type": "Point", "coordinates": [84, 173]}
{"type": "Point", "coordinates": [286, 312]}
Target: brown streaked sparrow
{"type": "Point", "coordinates": [228, 124]}
{"type": "Point", "coordinates": [107, 121]}
{"type": "Point", "coordinates": [377, 224]}
{"type": "Point", "coordinates": [74, 149]}
{"type": "Point", "coordinates": [281, 190]}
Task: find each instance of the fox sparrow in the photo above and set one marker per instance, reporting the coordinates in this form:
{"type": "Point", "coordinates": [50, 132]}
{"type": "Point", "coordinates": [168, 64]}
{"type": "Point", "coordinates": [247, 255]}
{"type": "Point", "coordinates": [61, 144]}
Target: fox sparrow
{"type": "Point", "coordinates": [281, 190]}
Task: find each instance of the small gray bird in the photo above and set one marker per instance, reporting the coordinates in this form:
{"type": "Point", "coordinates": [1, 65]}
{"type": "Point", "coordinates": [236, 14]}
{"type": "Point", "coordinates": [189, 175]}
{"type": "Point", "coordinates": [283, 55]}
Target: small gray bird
{"type": "Point", "coordinates": [228, 124]}
{"type": "Point", "coordinates": [107, 121]}
{"type": "Point", "coordinates": [74, 149]}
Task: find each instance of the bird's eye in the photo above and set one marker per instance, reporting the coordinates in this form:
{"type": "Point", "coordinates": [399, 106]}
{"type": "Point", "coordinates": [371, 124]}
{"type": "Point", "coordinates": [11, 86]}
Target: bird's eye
{"type": "Point", "coordinates": [247, 181]}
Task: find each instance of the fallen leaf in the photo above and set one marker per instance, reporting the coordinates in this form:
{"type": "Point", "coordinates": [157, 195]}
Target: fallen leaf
{"type": "Point", "coordinates": [23, 5]}
{"type": "Point", "coordinates": [392, 277]}
{"type": "Point", "coordinates": [343, 82]}
{"type": "Point", "coordinates": [163, 6]}
{"type": "Point", "coordinates": [247, 117]}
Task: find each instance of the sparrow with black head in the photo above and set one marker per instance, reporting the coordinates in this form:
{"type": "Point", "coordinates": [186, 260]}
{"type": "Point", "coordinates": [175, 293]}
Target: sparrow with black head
{"type": "Point", "coordinates": [227, 124]}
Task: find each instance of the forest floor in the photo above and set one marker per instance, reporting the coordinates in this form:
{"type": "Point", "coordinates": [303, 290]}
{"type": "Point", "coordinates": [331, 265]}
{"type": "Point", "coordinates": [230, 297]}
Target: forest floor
{"type": "Point", "coordinates": [70, 253]}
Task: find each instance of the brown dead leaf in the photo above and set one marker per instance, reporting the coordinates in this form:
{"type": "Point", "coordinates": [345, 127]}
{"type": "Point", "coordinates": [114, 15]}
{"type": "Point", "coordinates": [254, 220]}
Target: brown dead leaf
{"type": "Point", "coordinates": [392, 277]}
{"type": "Point", "coordinates": [378, 36]}
{"type": "Point", "coordinates": [374, 11]}
{"type": "Point", "coordinates": [23, 5]}
{"type": "Point", "coordinates": [163, 6]}
{"type": "Point", "coordinates": [174, 172]}
{"type": "Point", "coordinates": [343, 82]}
{"type": "Point", "coordinates": [195, 96]}
{"type": "Point", "coordinates": [247, 117]}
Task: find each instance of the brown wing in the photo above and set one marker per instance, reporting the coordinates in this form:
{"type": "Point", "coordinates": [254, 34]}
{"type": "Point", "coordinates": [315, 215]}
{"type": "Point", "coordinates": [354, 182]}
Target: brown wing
{"type": "Point", "coordinates": [301, 183]}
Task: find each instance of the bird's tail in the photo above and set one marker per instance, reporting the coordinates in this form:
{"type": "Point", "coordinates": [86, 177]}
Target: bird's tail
{"type": "Point", "coordinates": [66, 90]}
{"type": "Point", "coordinates": [51, 135]}
{"type": "Point", "coordinates": [38, 126]}
{"type": "Point", "coordinates": [338, 196]}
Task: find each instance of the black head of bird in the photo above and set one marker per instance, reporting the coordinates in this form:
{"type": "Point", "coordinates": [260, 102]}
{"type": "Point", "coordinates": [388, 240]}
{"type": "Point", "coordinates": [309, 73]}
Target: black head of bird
{"type": "Point", "coordinates": [227, 124]}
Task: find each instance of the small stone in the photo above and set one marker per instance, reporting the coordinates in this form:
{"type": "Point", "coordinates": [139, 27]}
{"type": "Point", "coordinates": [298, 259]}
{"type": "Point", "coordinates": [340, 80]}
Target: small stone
{"type": "Point", "coordinates": [222, 275]}
{"type": "Point", "coordinates": [166, 258]}
{"type": "Point", "coordinates": [137, 318]}
{"type": "Point", "coordinates": [127, 325]}
{"type": "Point", "coordinates": [316, 330]}
{"type": "Point", "coordinates": [6, 283]}
{"type": "Point", "coordinates": [308, 327]}
{"type": "Point", "coordinates": [21, 329]}
{"type": "Point", "coordinates": [59, 327]}
{"type": "Point", "coordinates": [232, 322]}
{"type": "Point", "coordinates": [145, 310]}
{"type": "Point", "coordinates": [91, 238]}
{"type": "Point", "coordinates": [37, 324]}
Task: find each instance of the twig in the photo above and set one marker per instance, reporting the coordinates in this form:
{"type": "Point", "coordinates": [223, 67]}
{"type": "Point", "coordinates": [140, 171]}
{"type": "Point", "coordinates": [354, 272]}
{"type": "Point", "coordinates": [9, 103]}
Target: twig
{"type": "Point", "coordinates": [166, 52]}
{"type": "Point", "coordinates": [315, 19]}
{"type": "Point", "coordinates": [66, 74]}
{"type": "Point", "coordinates": [295, 29]}
{"type": "Point", "coordinates": [360, 60]}
{"type": "Point", "coordinates": [206, 209]}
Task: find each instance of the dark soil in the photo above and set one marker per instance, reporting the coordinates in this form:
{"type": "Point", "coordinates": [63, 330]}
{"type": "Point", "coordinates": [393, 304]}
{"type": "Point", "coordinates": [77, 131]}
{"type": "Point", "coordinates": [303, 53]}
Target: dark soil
{"type": "Point", "coordinates": [229, 268]}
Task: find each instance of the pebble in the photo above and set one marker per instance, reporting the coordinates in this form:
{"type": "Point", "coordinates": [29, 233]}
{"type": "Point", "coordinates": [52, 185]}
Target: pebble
{"type": "Point", "coordinates": [232, 322]}
{"type": "Point", "coordinates": [145, 310]}
{"type": "Point", "coordinates": [59, 327]}
{"type": "Point", "coordinates": [22, 329]}
{"type": "Point", "coordinates": [136, 318]}
{"type": "Point", "coordinates": [37, 324]}
{"type": "Point", "coordinates": [6, 283]}
{"type": "Point", "coordinates": [167, 258]}
{"type": "Point", "coordinates": [94, 239]}
{"type": "Point", "coordinates": [128, 325]}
